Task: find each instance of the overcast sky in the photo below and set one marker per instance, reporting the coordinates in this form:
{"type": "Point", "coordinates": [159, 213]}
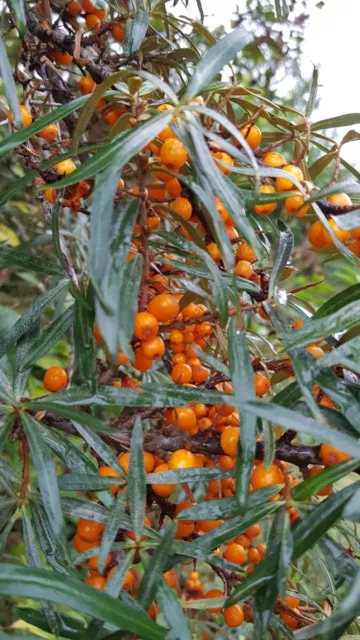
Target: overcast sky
{"type": "Point", "coordinates": [331, 42]}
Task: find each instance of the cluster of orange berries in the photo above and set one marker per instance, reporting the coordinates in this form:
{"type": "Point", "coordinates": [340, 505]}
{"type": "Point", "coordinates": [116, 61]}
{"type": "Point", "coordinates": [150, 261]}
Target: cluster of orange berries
{"type": "Point", "coordinates": [319, 237]}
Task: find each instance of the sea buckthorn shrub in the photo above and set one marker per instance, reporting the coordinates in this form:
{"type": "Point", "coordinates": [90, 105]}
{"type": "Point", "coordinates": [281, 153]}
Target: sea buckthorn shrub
{"type": "Point", "coordinates": [179, 396]}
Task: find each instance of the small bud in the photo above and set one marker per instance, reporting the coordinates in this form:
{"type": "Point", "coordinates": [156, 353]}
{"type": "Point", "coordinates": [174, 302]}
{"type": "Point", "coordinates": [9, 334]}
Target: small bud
{"type": "Point", "coordinates": [134, 84]}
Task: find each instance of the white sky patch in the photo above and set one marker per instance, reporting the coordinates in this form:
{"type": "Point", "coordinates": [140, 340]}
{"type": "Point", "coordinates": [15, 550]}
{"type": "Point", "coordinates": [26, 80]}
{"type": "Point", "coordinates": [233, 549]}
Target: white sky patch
{"type": "Point", "coordinates": [331, 43]}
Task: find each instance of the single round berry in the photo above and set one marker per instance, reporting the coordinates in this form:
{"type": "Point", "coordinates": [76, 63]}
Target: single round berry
{"type": "Point", "coordinates": [118, 31]}
{"type": "Point", "coordinates": [330, 456]}
{"type": "Point", "coordinates": [234, 615]}
{"type": "Point", "coordinates": [173, 153]}
{"type": "Point", "coordinates": [253, 531]}
{"type": "Point", "coordinates": [65, 167]}
{"type": "Point", "coordinates": [244, 269]}
{"type": "Point", "coordinates": [49, 133]}
{"type": "Point", "coordinates": [89, 530]}
{"type": "Point", "coordinates": [265, 209]}
{"type": "Point", "coordinates": [273, 159]}
{"type": "Point", "coordinates": [55, 379]}
{"type": "Point", "coordinates": [50, 195]}
{"type": "Point", "coordinates": [314, 471]}
{"type": "Point", "coordinates": [92, 22]}
{"type": "Point", "coordinates": [262, 384]}
{"type": "Point", "coordinates": [164, 307]}
{"type": "Point", "coordinates": [62, 57]}
{"type": "Point", "coordinates": [316, 235]}
{"type": "Point", "coordinates": [245, 252]}
{"type": "Point", "coordinates": [265, 477]}
{"type": "Point", "coordinates": [286, 185]}
{"type": "Point", "coordinates": [173, 188]}
{"type": "Point", "coordinates": [183, 207]}
{"type": "Point", "coordinates": [229, 440]}
{"type": "Point", "coordinates": [74, 8]}
{"type": "Point", "coordinates": [26, 117]}
{"type": "Point", "coordinates": [163, 490]}
{"type": "Point", "coordinates": [109, 472]}
{"type": "Point", "coordinates": [86, 85]}
{"type": "Point", "coordinates": [235, 553]}
{"type": "Point", "coordinates": [214, 593]}
{"type": "Point", "coordinates": [252, 135]}
{"type": "Point", "coordinates": [153, 349]}
{"type": "Point", "coordinates": [146, 326]}
{"type": "Point", "coordinates": [181, 374]}
{"type": "Point", "coordinates": [184, 418]}
{"type": "Point", "coordinates": [81, 545]}
{"type": "Point", "coordinates": [294, 205]}
{"type": "Point", "coordinates": [182, 459]}
{"type": "Point", "coordinates": [141, 363]}
{"type": "Point", "coordinates": [98, 582]}
{"type": "Point", "coordinates": [225, 159]}
{"type": "Point", "coordinates": [339, 199]}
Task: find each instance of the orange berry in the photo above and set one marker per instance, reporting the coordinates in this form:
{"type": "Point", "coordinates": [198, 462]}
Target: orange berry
{"type": "Point", "coordinates": [209, 525]}
{"type": "Point", "coordinates": [330, 456]}
{"type": "Point", "coordinates": [62, 57]}
{"type": "Point", "coordinates": [146, 326]}
{"type": "Point", "coordinates": [265, 209]}
{"type": "Point", "coordinates": [74, 8]}
{"type": "Point", "coordinates": [231, 233]}
{"type": "Point", "coordinates": [173, 188]}
{"type": "Point", "coordinates": [314, 471]}
{"type": "Point", "coordinates": [97, 334]}
{"type": "Point", "coordinates": [179, 358]}
{"type": "Point", "coordinates": [184, 418]}
{"type": "Point", "coordinates": [98, 582]}
{"type": "Point", "coordinates": [262, 549]}
{"type": "Point", "coordinates": [65, 167]}
{"type": "Point", "coordinates": [235, 553]}
{"type": "Point", "coordinates": [262, 384]}
{"type": "Point", "coordinates": [89, 530]}
{"type": "Point", "coordinates": [343, 236]}
{"type": "Point", "coordinates": [294, 206]}
{"type": "Point", "coordinates": [109, 472]}
{"type": "Point", "coordinates": [292, 601]}
{"type": "Point", "coordinates": [355, 233]}
{"type": "Point", "coordinates": [245, 252]}
{"type": "Point", "coordinates": [339, 199]}
{"type": "Point", "coordinates": [153, 221]}
{"type": "Point", "coordinates": [183, 207]}
{"type": "Point", "coordinates": [243, 540]}
{"type": "Point", "coordinates": [86, 85]}
{"type": "Point", "coordinates": [214, 593]}
{"type": "Point", "coordinates": [50, 195]}
{"type": "Point", "coordinates": [81, 545]}
{"type": "Point", "coordinates": [92, 22]}
{"type": "Point", "coordinates": [161, 175]}
{"type": "Point", "coordinates": [163, 490]}
{"type": "Point", "coordinates": [254, 555]}
{"type": "Point", "coordinates": [286, 185]}
{"type": "Point", "coordinates": [176, 336]}
{"type": "Point", "coordinates": [185, 527]}
{"type": "Point", "coordinates": [93, 562]}
{"type": "Point", "coordinates": [234, 615]}
{"type": "Point", "coordinates": [297, 324]}
{"type": "Point", "coordinates": [49, 133]}
{"type": "Point", "coordinates": [315, 351]}
{"type": "Point", "coordinates": [289, 620]}
{"type": "Point", "coordinates": [170, 578]}
{"type": "Point", "coordinates": [355, 247]}
{"type": "Point", "coordinates": [199, 373]}
{"type": "Point", "coordinates": [229, 440]}
{"type": "Point", "coordinates": [213, 249]}
{"type": "Point", "coordinates": [121, 358]}
{"type": "Point", "coordinates": [316, 235]}
{"type": "Point", "coordinates": [181, 374]}
{"type": "Point", "coordinates": [244, 269]}
{"type": "Point", "coordinates": [182, 459]}
{"type": "Point", "coordinates": [157, 191]}
{"type": "Point", "coordinates": [118, 31]}
{"type": "Point", "coordinates": [224, 158]}
{"type": "Point", "coordinates": [100, 13]}
{"type": "Point", "coordinates": [273, 159]}
{"type": "Point", "coordinates": [129, 579]}
{"type": "Point", "coordinates": [227, 462]}
{"type": "Point", "coordinates": [164, 307]}
{"type": "Point", "coordinates": [153, 349]}
{"type": "Point", "coordinates": [262, 477]}
{"type": "Point", "coordinates": [111, 117]}
{"type": "Point", "coordinates": [252, 135]}
{"type": "Point", "coordinates": [173, 153]}
{"type": "Point", "coordinates": [55, 379]}
{"type": "Point", "coordinates": [204, 423]}
{"type": "Point", "coordinates": [131, 535]}
{"type": "Point", "coordinates": [253, 531]}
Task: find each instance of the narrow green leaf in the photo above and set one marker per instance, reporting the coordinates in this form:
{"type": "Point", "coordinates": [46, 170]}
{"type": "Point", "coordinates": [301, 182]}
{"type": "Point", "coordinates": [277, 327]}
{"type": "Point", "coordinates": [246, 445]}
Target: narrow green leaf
{"type": "Point", "coordinates": [243, 382]}
{"type": "Point", "coordinates": [178, 476]}
{"type": "Point", "coordinates": [173, 612]}
{"type": "Point", "coordinates": [45, 473]}
{"type": "Point", "coordinates": [347, 354]}
{"type": "Point", "coordinates": [103, 450]}
{"type": "Point", "coordinates": [84, 341]}
{"type": "Point", "coordinates": [309, 487]}
{"type": "Point", "coordinates": [23, 345]}
{"type": "Point", "coordinates": [214, 60]}
{"type": "Point", "coordinates": [129, 303]}
{"type": "Point", "coordinates": [10, 256]}
{"type": "Point", "coordinates": [34, 560]}
{"type": "Point", "coordinates": [135, 32]}
{"type": "Point", "coordinates": [313, 329]}
{"type": "Point", "coordinates": [342, 562]}
{"type": "Point", "coordinates": [112, 528]}
{"type": "Point", "coordinates": [74, 415]}
{"type": "Point", "coordinates": [69, 627]}
{"type": "Point", "coordinates": [6, 532]}
{"type": "Point", "coordinates": [84, 509]}
{"type": "Point", "coordinates": [137, 480]}
{"type": "Point", "coordinates": [337, 302]}
{"type": "Point", "coordinates": [155, 567]}
{"type": "Point", "coordinates": [313, 93]}
{"type": "Point", "coordinates": [27, 582]}
{"type": "Point", "coordinates": [283, 254]}
{"type": "Point", "coordinates": [286, 553]}
{"type": "Point", "coordinates": [117, 153]}
{"type": "Point", "coordinates": [21, 136]}
{"type": "Point", "coordinates": [54, 552]}
{"type": "Point", "coordinates": [46, 340]}
{"type": "Point", "coordinates": [86, 482]}
{"type": "Point", "coordinates": [6, 392]}
{"type": "Point", "coordinates": [115, 582]}
{"type": "Point", "coordinates": [228, 507]}
{"type": "Point", "coordinates": [5, 426]}
{"type": "Point", "coordinates": [338, 121]}
{"type": "Point", "coordinates": [297, 421]}
{"type": "Point", "coordinates": [6, 74]}
{"type": "Point", "coordinates": [30, 317]}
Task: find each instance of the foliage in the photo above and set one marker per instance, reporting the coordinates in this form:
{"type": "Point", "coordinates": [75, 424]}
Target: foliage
{"type": "Point", "coordinates": [197, 452]}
